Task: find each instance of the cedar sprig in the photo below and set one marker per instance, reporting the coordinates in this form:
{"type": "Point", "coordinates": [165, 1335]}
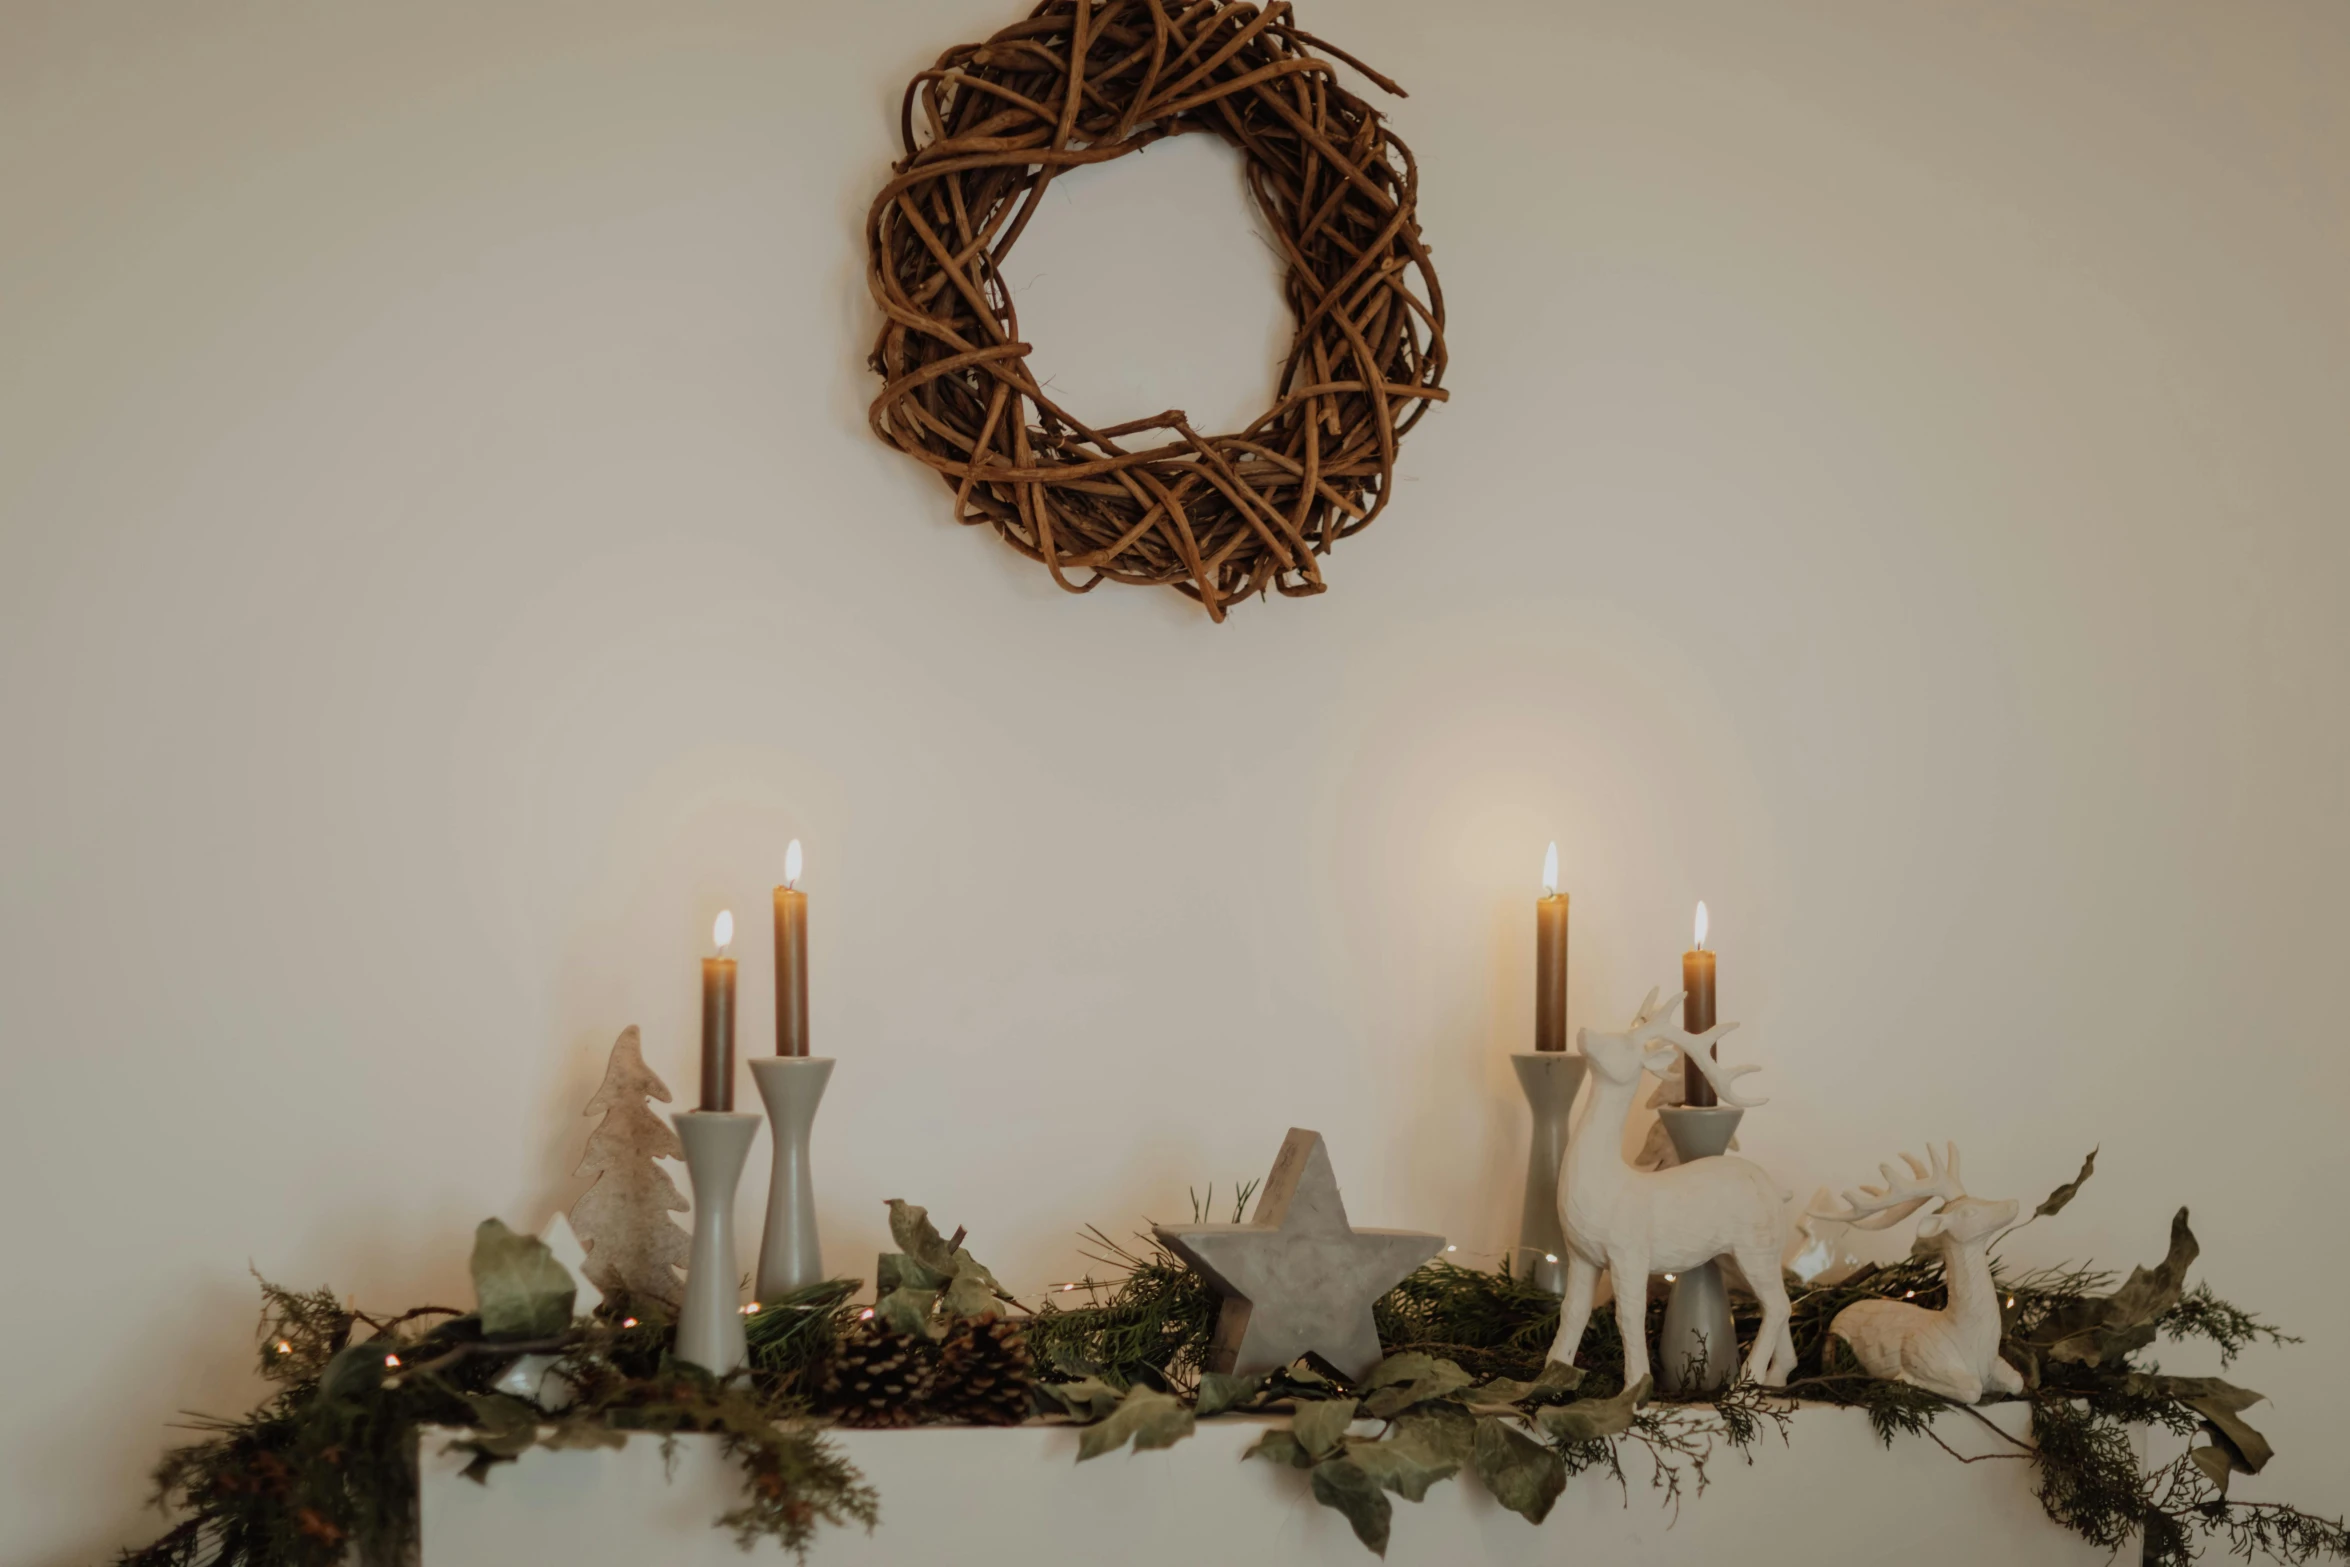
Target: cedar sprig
{"type": "Point", "coordinates": [2202, 1314]}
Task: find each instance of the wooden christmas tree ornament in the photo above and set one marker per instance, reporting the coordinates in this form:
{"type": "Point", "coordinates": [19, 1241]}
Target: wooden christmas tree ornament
{"type": "Point", "coordinates": [633, 1247]}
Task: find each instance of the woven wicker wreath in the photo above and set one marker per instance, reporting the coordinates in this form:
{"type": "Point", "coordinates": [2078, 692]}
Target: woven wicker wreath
{"type": "Point", "coordinates": [1152, 500]}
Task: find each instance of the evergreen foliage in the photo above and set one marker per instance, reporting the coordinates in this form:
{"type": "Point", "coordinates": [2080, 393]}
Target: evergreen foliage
{"type": "Point", "coordinates": [325, 1469]}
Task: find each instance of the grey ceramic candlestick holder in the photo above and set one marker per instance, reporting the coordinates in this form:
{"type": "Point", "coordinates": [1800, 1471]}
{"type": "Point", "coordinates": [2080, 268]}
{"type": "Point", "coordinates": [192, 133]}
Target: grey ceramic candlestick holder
{"type": "Point", "coordinates": [1698, 1349]}
{"type": "Point", "coordinates": [790, 1257]}
{"type": "Point", "coordinates": [1550, 1079]}
{"type": "Point", "coordinates": [710, 1324]}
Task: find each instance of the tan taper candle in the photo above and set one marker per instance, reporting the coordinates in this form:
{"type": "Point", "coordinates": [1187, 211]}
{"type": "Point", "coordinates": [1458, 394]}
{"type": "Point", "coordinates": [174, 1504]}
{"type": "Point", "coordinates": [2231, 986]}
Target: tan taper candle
{"type": "Point", "coordinates": [1697, 1013]}
{"type": "Point", "coordinates": [1550, 959]}
{"type": "Point", "coordinates": [791, 959]}
{"type": "Point", "coordinates": [718, 1020]}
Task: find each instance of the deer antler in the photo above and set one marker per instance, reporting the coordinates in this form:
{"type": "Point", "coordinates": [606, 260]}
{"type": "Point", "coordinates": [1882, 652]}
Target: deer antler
{"type": "Point", "coordinates": [1717, 1074]}
{"type": "Point", "coordinates": [1664, 1042]}
{"type": "Point", "coordinates": [1902, 1196]}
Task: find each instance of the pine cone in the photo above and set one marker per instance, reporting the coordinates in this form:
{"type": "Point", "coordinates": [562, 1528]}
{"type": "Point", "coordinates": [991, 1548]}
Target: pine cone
{"type": "Point", "coordinates": [984, 1374]}
{"type": "Point", "coordinates": [877, 1377]}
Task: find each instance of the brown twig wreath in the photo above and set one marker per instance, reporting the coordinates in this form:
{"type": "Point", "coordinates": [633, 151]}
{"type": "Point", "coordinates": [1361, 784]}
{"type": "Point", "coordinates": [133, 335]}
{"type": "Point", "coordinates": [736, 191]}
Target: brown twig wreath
{"type": "Point", "coordinates": [1080, 82]}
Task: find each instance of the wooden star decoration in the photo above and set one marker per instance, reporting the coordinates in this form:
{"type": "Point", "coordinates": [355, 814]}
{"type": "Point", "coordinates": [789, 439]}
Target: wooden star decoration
{"type": "Point", "coordinates": [1298, 1279]}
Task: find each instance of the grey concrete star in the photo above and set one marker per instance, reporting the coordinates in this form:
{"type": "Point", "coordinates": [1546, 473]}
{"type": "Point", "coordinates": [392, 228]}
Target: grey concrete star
{"type": "Point", "coordinates": [1298, 1278]}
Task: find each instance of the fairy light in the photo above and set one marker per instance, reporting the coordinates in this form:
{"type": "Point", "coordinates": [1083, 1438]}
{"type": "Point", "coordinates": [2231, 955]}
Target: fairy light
{"type": "Point", "coordinates": [1550, 1256]}
{"type": "Point", "coordinates": [285, 1346]}
{"type": "Point", "coordinates": [1909, 1294]}
{"type": "Point", "coordinates": [1670, 1277]}
{"type": "Point", "coordinates": [866, 1315]}
{"type": "Point", "coordinates": [2011, 1302]}
{"type": "Point", "coordinates": [1452, 1248]}
{"type": "Point", "coordinates": [628, 1322]}
{"type": "Point", "coordinates": [751, 1310]}
{"type": "Point", "coordinates": [392, 1361]}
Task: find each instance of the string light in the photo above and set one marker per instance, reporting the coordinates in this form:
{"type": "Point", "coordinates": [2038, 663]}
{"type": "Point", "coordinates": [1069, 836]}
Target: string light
{"type": "Point", "coordinates": [2011, 1302]}
{"type": "Point", "coordinates": [628, 1322]}
{"type": "Point", "coordinates": [1550, 1256]}
{"type": "Point", "coordinates": [285, 1346]}
{"type": "Point", "coordinates": [1452, 1248]}
{"type": "Point", "coordinates": [866, 1315]}
{"type": "Point", "coordinates": [1909, 1294]}
{"type": "Point", "coordinates": [392, 1361]}
{"type": "Point", "coordinates": [1670, 1277]}
{"type": "Point", "coordinates": [751, 1310]}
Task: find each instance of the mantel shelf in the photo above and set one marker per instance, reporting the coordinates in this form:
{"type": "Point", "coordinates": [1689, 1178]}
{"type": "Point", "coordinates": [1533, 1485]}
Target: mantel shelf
{"type": "Point", "coordinates": [980, 1497]}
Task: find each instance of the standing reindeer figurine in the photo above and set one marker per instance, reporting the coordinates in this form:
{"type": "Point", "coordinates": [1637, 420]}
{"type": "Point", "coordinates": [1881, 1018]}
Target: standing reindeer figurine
{"type": "Point", "coordinates": [1637, 1222]}
{"type": "Point", "coordinates": [1956, 1352]}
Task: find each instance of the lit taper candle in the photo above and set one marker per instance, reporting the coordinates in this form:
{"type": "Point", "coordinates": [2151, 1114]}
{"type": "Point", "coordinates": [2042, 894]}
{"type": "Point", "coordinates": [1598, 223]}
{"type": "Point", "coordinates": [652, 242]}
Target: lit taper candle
{"type": "Point", "coordinates": [791, 959]}
{"type": "Point", "coordinates": [718, 1018]}
{"type": "Point", "coordinates": [1550, 958]}
{"type": "Point", "coordinates": [1697, 1012]}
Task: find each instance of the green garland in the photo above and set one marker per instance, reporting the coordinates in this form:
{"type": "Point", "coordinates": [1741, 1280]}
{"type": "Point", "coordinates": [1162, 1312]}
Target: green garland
{"type": "Point", "coordinates": [327, 1464]}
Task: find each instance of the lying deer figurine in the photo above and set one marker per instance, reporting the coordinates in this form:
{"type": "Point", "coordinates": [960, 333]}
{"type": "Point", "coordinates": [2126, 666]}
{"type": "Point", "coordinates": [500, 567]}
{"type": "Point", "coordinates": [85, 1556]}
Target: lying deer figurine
{"type": "Point", "coordinates": [1956, 1352]}
{"type": "Point", "coordinates": [1637, 1222]}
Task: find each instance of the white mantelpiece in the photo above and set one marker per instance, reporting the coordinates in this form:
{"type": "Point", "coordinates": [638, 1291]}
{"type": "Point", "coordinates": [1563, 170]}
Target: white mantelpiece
{"type": "Point", "coordinates": [979, 1498]}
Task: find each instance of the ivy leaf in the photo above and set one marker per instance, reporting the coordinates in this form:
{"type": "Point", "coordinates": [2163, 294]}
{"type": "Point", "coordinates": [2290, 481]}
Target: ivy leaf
{"type": "Point", "coordinates": [968, 1266]}
{"type": "Point", "coordinates": [1320, 1424]}
{"type": "Point", "coordinates": [524, 1292]}
{"type": "Point", "coordinates": [1347, 1486]}
{"type": "Point", "coordinates": [2054, 1202]}
{"type": "Point", "coordinates": [1219, 1392]}
{"type": "Point", "coordinates": [583, 1431]}
{"type": "Point", "coordinates": [504, 1427]}
{"type": "Point", "coordinates": [2215, 1464]}
{"type": "Point", "coordinates": [2095, 1331]}
{"type": "Point", "coordinates": [918, 1238]}
{"type": "Point", "coordinates": [1086, 1399]}
{"type": "Point", "coordinates": [1151, 1419]}
{"type": "Point", "coordinates": [970, 1295]}
{"type": "Point", "coordinates": [1402, 1464]}
{"type": "Point", "coordinates": [1280, 1447]}
{"type": "Point", "coordinates": [1447, 1433]}
{"type": "Point", "coordinates": [905, 1310]}
{"type": "Point", "coordinates": [1523, 1475]}
{"type": "Point", "coordinates": [1557, 1378]}
{"type": "Point", "coordinates": [2219, 1403]}
{"type": "Point", "coordinates": [896, 1271]}
{"type": "Point", "coordinates": [1587, 1418]}
{"type": "Point", "coordinates": [1441, 1378]}
{"type": "Point", "coordinates": [1401, 1368]}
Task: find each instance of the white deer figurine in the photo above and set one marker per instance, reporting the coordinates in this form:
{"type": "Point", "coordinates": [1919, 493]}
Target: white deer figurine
{"type": "Point", "coordinates": [1955, 1352]}
{"type": "Point", "coordinates": [1636, 1222]}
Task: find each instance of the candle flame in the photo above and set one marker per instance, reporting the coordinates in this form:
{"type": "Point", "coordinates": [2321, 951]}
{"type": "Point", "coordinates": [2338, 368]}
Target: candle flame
{"type": "Point", "coordinates": [791, 864]}
{"type": "Point", "coordinates": [1702, 923]}
{"type": "Point", "coordinates": [1550, 871]}
{"type": "Point", "coordinates": [722, 930]}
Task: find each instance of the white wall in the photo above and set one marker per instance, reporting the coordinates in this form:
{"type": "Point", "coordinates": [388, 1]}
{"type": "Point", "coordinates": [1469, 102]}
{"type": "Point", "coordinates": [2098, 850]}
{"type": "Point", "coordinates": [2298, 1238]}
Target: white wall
{"type": "Point", "coordinates": [1895, 490]}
